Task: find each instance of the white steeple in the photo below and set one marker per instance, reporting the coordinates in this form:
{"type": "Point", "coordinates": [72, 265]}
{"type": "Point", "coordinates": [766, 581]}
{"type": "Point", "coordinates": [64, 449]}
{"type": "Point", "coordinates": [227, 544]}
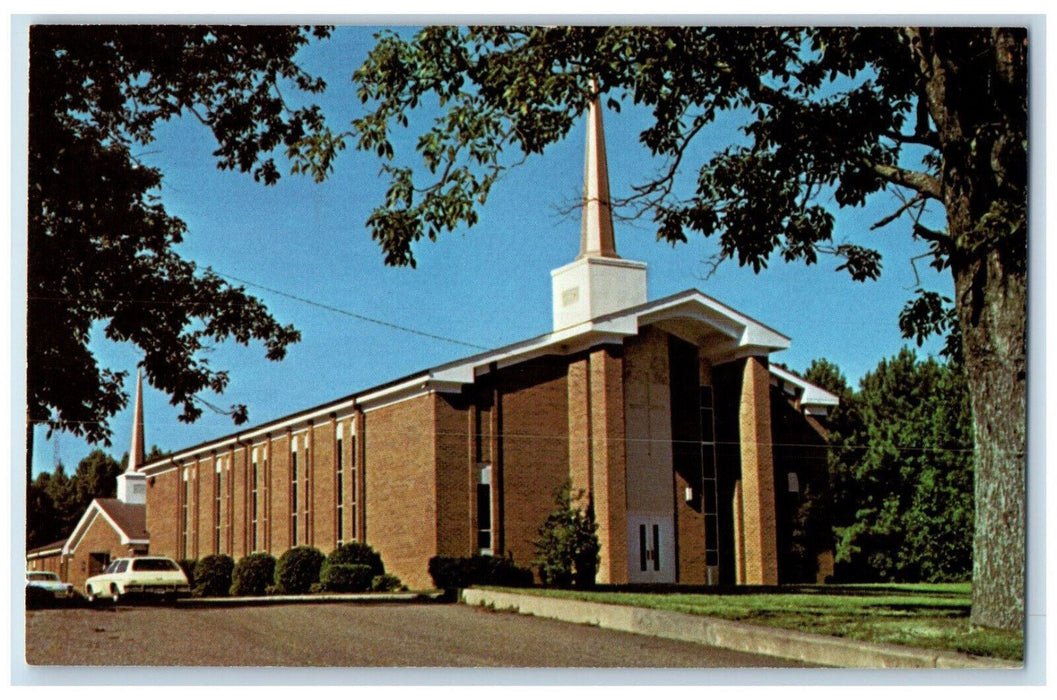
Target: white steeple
{"type": "Point", "coordinates": [599, 281]}
{"type": "Point", "coordinates": [132, 484]}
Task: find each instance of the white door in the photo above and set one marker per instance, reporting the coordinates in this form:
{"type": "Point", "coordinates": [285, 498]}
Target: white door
{"type": "Point", "coordinates": [651, 549]}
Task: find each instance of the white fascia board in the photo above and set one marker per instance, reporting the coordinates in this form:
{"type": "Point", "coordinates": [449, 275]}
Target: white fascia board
{"type": "Point", "coordinates": [81, 527]}
{"type": "Point", "coordinates": [812, 395]}
{"type": "Point", "coordinates": [44, 553]}
{"type": "Point", "coordinates": [753, 337]}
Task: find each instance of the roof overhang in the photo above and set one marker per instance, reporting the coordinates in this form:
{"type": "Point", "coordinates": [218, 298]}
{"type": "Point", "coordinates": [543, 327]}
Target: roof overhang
{"type": "Point", "coordinates": [814, 399]}
{"type": "Point", "coordinates": [734, 334]}
{"type": "Point", "coordinates": [93, 511]}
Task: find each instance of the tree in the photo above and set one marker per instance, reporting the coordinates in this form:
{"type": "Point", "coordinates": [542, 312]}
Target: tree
{"type": "Point", "coordinates": [567, 547]}
{"type": "Point", "coordinates": [100, 242]}
{"type": "Point", "coordinates": [932, 115]}
{"type": "Point", "coordinates": [902, 496]}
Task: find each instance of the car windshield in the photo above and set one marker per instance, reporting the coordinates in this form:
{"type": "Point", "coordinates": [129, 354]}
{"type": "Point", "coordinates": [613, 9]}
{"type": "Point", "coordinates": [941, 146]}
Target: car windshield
{"type": "Point", "coordinates": [42, 576]}
{"type": "Point", "coordinates": [154, 565]}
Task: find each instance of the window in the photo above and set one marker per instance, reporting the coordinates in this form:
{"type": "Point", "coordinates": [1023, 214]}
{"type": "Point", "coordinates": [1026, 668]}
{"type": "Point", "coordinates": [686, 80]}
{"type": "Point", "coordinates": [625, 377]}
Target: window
{"type": "Point", "coordinates": [293, 494]}
{"type": "Point", "coordinates": [253, 502]}
{"type": "Point", "coordinates": [217, 504]}
{"type": "Point", "coordinates": [184, 517]}
{"type": "Point", "coordinates": [484, 509]}
{"type": "Point", "coordinates": [709, 482]}
{"type": "Point", "coordinates": [154, 565]}
{"type": "Point", "coordinates": [352, 486]}
{"type": "Point", "coordinates": [339, 484]}
{"type": "Point", "coordinates": [794, 483]}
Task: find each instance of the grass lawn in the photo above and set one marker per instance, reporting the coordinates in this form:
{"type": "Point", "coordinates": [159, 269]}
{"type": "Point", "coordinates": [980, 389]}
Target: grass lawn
{"type": "Point", "coordinates": [935, 616]}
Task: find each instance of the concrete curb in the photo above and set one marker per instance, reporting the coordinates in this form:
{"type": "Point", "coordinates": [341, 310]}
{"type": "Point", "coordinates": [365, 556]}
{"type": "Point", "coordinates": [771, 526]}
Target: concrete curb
{"type": "Point", "coordinates": [738, 636]}
{"type": "Point", "coordinates": [365, 598]}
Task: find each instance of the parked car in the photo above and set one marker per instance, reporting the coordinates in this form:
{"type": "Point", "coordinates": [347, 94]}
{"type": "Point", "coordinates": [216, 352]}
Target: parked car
{"type": "Point", "coordinates": [138, 576]}
{"type": "Point", "coordinates": [44, 586]}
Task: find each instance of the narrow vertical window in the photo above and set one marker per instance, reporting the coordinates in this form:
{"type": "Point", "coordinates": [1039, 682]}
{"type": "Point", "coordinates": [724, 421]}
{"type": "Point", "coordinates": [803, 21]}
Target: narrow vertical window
{"type": "Point", "coordinates": [253, 502]}
{"type": "Point", "coordinates": [484, 509]}
{"type": "Point", "coordinates": [217, 509]}
{"type": "Point", "coordinates": [339, 483]}
{"type": "Point", "coordinates": [709, 482]}
{"type": "Point", "coordinates": [184, 515]}
{"type": "Point", "coordinates": [293, 494]}
{"type": "Point", "coordinates": [352, 488]}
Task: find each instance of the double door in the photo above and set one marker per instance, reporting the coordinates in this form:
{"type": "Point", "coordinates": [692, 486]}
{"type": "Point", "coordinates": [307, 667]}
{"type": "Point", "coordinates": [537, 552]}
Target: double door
{"type": "Point", "coordinates": [651, 549]}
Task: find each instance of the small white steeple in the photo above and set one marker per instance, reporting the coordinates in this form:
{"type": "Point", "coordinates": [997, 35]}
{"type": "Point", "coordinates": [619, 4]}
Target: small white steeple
{"type": "Point", "coordinates": [132, 484]}
{"type": "Point", "coordinates": [599, 281]}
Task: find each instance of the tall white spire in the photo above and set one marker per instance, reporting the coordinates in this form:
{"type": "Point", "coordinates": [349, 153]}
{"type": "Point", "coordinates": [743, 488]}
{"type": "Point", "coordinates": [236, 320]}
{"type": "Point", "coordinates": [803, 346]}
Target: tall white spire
{"type": "Point", "coordinates": [598, 281]}
{"type": "Point", "coordinates": [596, 227]}
{"type": "Point", "coordinates": [132, 484]}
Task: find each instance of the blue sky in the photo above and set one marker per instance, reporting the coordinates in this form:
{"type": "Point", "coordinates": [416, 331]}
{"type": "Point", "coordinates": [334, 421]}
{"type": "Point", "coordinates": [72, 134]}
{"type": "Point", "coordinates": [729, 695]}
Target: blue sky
{"type": "Point", "coordinates": [486, 286]}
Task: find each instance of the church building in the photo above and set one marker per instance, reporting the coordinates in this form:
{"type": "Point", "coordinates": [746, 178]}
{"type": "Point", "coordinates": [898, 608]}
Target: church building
{"type": "Point", "coordinates": [692, 450]}
{"type": "Point", "coordinates": [110, 528]}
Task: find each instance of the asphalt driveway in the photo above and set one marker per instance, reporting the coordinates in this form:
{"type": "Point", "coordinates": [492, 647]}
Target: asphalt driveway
{"type": "Point", "coordinates": [349, 635]}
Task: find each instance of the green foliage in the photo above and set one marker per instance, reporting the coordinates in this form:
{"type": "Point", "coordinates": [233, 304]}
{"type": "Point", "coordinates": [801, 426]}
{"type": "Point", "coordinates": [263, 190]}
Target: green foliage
{"type": "Point", "coordinates": [213, 575]}
{"type": "Point", "coordinates": [56, 502]}
{"type": "Point", "coordinates": [902, 471]}
{"type": "Point", "coordinates": [346, 578]}
{"type": "Point", "coordinates": [357, 553]}
{"type": "Point", "coordinates": [253, 574]}
{"type": "Point", "coordinates": [298, 568]}
{"type": "Point", "coordinates": [102, 249]}
{"type": "Point", "coordinates": [450, 573]}
{"type": "Point", "coordinates": [386, 583]}
{"type": "Point", "coordinates": [567, 547]}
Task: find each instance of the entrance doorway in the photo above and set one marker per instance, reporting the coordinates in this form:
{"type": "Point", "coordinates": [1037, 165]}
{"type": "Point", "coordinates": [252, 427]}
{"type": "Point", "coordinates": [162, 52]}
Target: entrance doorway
{"type": "Point", "coordinates": [651, 549]}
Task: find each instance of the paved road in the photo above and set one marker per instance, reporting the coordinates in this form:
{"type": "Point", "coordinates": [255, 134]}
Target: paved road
{"type": "Point", "coordinates": [349, 635]}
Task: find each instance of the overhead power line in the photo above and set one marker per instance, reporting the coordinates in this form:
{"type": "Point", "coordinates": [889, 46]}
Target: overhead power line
{"type": "Point", "coordinates": [351, 314]}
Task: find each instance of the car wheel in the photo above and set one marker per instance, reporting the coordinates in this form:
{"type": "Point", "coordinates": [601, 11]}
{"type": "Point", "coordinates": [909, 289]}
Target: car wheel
{"type": "Point", "coordinates": [90, 595]}
{"type": "Point", "coordinates": [115, 594]}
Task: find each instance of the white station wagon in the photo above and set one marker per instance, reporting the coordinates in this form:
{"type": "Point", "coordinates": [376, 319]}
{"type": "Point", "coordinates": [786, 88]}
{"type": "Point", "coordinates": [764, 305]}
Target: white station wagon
{"type": "Point", "coordinates": [155, 576]}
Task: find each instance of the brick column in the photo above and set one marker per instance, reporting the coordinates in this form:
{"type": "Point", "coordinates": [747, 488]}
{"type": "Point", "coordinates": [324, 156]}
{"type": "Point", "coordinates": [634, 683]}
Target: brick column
{"type": "Point", "coordinates": [608, 464]}
{"type": "Point", "coordinates": [579, 426]}
{"type": "Point", "coordinates": [757, 475]}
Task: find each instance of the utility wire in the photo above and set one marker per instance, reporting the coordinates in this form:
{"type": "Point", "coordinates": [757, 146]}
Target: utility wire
{"type": "Point", "coordinates": [351, 314]}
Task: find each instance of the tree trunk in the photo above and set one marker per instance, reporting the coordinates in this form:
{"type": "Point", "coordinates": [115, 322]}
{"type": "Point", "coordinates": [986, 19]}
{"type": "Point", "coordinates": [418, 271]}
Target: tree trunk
{"type": "Point", "coordinates": [975, 81]}
{"type": "Point", "coordinates": [991, 303]}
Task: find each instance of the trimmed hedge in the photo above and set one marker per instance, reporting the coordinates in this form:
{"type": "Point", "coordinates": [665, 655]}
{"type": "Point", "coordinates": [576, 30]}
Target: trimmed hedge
{"type": "Point", "coordinates": [346, 578]}
{"type": "Point", "coordinates": [462, 572]}
{"type": "Point", "coordinates": [213, 575]}
{"type": "Point", "coordinates": [357, 553]}
{"type": "Point", "coordinates": [253, 574]}
{"type": "Point", "coordinates": [386, 583]}
{"type": "Point", "coordinates": [298, 568]}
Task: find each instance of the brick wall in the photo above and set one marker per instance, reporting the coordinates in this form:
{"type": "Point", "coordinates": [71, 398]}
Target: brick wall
{"type": "Point", "coordinates": [401, 488]}
{"type": "Point", "coordinates": [608, 468]}
{"type": "Point", "coordinates": [98, 537]}
{"type": "Point", "coordinates": [455, 476]}
{"type": "Point", "coordinates": [163, 513]}
{"type": "Point", "coordinates": [533, 419]}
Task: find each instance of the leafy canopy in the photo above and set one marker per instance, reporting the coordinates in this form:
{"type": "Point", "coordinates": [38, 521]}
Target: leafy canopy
{"type": "Point", "coordinates": [101, 245]}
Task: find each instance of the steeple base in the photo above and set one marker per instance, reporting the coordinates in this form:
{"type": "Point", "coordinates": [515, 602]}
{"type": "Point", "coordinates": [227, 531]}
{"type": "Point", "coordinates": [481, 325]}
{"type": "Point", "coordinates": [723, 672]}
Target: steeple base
{"type": "Point", "coordinates": [590, 287]}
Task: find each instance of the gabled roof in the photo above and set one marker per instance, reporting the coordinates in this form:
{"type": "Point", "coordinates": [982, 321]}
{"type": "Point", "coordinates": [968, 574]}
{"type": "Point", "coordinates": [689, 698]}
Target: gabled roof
{"type": "Point", "coordinates": [739, 336]}
{"type": "Point", "coordinates": [128, 520]}
{"type": "Point", "coordinates": [45, 550]}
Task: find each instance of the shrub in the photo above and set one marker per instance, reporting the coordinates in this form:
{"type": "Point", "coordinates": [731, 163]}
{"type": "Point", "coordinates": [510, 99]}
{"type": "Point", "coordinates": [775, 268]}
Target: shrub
{"type": "Point", "coordinates": [253, 574]}
{"type": "Point", "coordinates": [461, 572]}
{"type": "Point", "coordinates": [298, 568]}
{"type": "Point", "coordinates": [213, 575]}
{"type": "Point", "coordinates": [188, 566]}
{"type": "Point", "coordinates": [567, 548]}
{"type": "Point", "coordinates": [346, 578]}
{"type": "Point", "coordinates": [357, 553]}
{"type": "Point", "coordinates": [386, 583]}
{"type": "Point", "coordinates": [273, 589]}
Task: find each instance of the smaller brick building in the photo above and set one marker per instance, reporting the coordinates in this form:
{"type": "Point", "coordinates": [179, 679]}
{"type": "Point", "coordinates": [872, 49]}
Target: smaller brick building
{"type": "Point", "coordinates": [692, 450]}
{"type": "Point", "coordinates": [110, 527]}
